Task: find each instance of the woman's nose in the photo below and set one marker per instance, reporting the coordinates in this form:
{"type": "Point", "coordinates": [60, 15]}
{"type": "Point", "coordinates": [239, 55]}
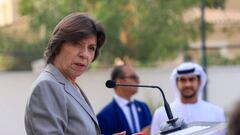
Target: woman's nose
{"type": "Point", "coordinates": [83, 52]}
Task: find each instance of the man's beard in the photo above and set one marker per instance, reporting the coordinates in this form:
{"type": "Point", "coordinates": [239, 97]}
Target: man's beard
{"type": "Point", "coordinates": [189, 96]}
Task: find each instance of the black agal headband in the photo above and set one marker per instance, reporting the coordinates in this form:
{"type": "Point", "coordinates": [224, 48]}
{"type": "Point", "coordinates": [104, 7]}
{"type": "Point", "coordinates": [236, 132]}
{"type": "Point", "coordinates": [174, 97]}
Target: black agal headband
{"type": "Point", "coordinates": [186, 71]}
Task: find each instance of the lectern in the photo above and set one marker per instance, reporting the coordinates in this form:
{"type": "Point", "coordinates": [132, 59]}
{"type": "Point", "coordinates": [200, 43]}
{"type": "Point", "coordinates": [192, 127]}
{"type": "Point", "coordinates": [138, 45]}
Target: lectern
{"type": "Point", "coordinates": [201, 128]}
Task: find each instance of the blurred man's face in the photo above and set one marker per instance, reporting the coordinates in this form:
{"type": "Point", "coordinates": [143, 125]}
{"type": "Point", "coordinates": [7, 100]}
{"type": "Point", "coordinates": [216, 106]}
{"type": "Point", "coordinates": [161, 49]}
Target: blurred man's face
{"type": "Point", "coordinates": [128, 77]}
{"type": "Point", "coordinates": [188, 86]}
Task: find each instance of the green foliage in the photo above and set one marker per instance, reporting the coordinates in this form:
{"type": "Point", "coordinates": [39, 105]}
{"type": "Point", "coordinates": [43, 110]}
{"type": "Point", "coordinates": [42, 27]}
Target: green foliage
{"type": "Point", "coordinates": [153, 29]}
{"type": "Point", "coordinates": [215, 58]}
{"type": "Point", "coordinates": [215, 3]}
{"type": "Point", "coordinates": [144, 30]}
{"type": "Point", "coordinates": [113, 16]}
{"type": "Point", "coordinates": [163, 34]}
{"type": "Point", "coordinates": [48, 12]}
{"type": "Point", "coordinates": [17, 54]}
{"type": "Point", "coordinates": [6, 62]}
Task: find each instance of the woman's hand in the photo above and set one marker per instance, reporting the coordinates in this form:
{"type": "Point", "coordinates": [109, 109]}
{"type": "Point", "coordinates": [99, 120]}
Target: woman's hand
{"type": "Point", "coordinates": [120, 133]}
{"type": "Point", "coordinates": [146, 130]}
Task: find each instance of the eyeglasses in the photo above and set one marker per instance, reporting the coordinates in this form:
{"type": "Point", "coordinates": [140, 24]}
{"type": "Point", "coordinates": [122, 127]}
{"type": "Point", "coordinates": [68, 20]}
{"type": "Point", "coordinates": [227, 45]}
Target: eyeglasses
{"type": "Point", "coordinates": [133, 77]}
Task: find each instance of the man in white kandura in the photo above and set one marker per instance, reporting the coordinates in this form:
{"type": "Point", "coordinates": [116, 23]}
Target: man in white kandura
{"type": "Point", "coordinates": [188, 81]}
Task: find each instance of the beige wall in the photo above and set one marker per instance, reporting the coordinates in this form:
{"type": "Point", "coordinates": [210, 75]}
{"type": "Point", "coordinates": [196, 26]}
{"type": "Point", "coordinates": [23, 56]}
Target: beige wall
{"type": "Point", "coordinates": [6, 12]}
{"type": "Point", "coordinates": [232, 4]}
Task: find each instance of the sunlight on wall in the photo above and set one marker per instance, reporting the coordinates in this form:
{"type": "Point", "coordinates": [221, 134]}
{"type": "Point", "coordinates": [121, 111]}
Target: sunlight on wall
{"type": "Point", "coordinates": [6, 12]}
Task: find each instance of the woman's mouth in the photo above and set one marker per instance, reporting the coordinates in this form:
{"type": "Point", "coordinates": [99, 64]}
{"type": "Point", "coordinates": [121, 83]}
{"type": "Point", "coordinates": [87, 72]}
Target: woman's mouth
{"type": "Point", "coordinates": [79, 65]}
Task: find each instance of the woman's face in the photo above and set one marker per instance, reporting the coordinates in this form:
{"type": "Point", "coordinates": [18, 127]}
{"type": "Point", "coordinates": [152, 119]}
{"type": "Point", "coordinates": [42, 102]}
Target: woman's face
{"type": "Point", "coordinates": [74, 58]}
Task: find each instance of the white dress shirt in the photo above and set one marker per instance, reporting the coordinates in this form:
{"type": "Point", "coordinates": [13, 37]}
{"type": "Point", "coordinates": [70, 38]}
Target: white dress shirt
{"type": "Point", "coordinates": [123, 105]}
{"type": "Point", "coordinates": [200, 111]}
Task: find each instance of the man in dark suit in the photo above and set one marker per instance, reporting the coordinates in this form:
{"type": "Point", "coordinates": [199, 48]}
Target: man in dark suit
{"type": "Point", "coordinates": [124, 113]}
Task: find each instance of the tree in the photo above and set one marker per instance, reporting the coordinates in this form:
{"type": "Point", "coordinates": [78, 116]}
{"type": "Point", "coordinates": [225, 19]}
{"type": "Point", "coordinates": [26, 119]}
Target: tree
{"type": "Point", "coordinates": [143, 30]}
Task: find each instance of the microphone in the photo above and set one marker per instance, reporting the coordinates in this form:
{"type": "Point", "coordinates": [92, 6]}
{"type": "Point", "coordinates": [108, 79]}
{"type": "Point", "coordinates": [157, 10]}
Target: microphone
{"type": "Point", "coordinates": [173, 124]}
{"type": "Point", "coordinates": [110, 84]}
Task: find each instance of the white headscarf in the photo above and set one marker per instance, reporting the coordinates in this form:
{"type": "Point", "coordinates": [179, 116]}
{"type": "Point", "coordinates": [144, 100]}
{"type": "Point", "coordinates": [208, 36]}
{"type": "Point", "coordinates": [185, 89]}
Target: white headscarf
{"type": "Point", "coordinates": [196, 70]}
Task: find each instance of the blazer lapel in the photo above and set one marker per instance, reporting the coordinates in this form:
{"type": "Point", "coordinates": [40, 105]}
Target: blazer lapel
{"type": "Point", "coordinates": [121, 117]}
{"type": "Point", "coordinates": [81, 99]}
{"type": "Point", "coordinates": [86, 99]}
{"type": "Point", "coordinates": [69, 88]}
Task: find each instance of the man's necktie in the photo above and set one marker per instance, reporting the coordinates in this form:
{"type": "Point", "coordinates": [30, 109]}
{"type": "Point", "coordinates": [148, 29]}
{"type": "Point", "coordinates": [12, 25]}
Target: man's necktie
{"type": "Point", "coordinates": [132, 117]}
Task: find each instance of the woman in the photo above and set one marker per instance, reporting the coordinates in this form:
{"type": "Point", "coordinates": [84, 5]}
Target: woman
{"type": "Point", "coordinates": [57, 105]}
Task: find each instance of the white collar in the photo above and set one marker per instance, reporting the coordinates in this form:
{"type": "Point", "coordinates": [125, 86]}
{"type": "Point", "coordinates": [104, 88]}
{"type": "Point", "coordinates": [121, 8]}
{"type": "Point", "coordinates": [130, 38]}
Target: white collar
{"type": "Point", "coordinates": [121, 101]}
{"type": "Point", "coordinates": [179, 102]}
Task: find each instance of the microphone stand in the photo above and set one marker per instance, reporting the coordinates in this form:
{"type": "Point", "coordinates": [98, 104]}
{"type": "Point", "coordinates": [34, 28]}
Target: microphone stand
{"type": "Point", "coordinates": [173, 124]}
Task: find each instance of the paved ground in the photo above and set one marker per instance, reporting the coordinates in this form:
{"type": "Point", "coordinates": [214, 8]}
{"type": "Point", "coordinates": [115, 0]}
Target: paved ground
{"type": "Point", "coordinates": [224, 90]}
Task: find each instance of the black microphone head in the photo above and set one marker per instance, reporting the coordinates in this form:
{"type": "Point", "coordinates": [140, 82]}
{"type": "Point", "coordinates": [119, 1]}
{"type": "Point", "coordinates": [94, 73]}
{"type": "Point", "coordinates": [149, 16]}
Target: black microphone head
{"type": "Point", "coordinates": [110, 84]}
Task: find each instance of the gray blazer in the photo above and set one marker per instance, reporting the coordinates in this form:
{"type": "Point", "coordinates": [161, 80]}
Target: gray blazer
{"type": "Point", "coordinates": [55, 107]}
